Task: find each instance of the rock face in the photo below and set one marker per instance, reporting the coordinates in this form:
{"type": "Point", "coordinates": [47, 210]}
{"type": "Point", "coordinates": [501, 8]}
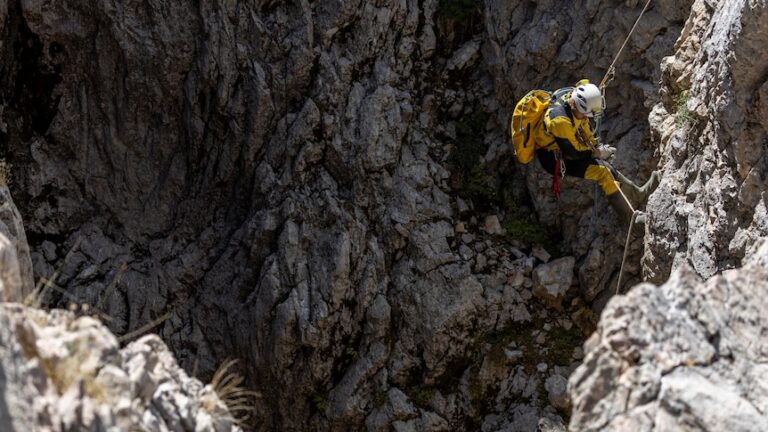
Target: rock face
{"type": "Point", "coordinates": [689, 355]}
{"type": "Point", "coordinates": [16, 279]}
{"type": "Point", "coordinates": [274, 175]}
{"type": "Point", "coordinates": [712, 130]}
{"type": "Point", "coordinates": [63, 373]}
{"type": "Point", "coordinates": [591, 229]}
{"type": "Point", "coordinates": [60, 372]}
{"type": "Point", "coordinates": [686, 356]}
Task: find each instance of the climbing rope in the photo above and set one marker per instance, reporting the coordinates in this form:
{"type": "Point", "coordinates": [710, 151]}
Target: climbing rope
{"type": "Point", "coordinates": [612, 68]}
{"type": "Point", "coordinates": [611, 72]}
{"type": "Point", "coordinates": [626, 250]}
{"type": "Point", "coordinates": [609, 75]}
{"type": "Point", "coordinates": [626, 242]}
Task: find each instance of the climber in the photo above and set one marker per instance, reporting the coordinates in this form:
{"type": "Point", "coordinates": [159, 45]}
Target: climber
{"type": "Point", "coordinates": [566, 145]}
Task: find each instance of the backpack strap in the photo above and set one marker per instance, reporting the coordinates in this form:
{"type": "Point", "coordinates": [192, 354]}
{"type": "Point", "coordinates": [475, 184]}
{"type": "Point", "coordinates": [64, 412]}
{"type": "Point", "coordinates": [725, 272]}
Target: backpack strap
{"type": "Point", "coordinates": [558, 98]}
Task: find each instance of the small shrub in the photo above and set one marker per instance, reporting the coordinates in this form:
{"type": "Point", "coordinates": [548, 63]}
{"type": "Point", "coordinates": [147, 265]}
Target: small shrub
{"type": "Point", "coordinates": [351, 353]}
{"type": "Point", "coordinates": [522, 225]}
{"type": "Point", "coordinates": [421, 395]}
{"type": "Point", "coordinates": [320, 402]}
{"type": "Point", "coordinates": [682, 113]}
{"type": "Point", "coordinates": [563, 343]}
{"type": "Point", "coordinates": [476, 392]}
{"type": "Point", "coordinates": [470, 144]}
{"type": "Point", "coordinates": [380, 399]}
{"type": "Point", "coordinates": [480, 187]}
{"type": "Point", "coordinates": [469, 176]}
{"type": "Point", "coordinates": [522, 333]}
{"type": "Point", "coordinates": [457, 22]}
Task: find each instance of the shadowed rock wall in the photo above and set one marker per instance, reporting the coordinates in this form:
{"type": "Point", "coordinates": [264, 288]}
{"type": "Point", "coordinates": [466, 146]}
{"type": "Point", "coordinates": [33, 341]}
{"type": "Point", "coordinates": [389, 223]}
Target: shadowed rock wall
{"type": "Point", "coordinates": [274, 175]}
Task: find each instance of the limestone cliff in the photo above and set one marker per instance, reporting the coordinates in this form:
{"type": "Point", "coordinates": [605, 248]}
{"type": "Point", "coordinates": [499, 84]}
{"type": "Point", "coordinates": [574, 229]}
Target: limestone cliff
{"type": "Point", "coordinates": [689, 354]}
{"type": "Point", "coordinates": [711, 129]}
{"type": "Point", "coordinates": [59, 372]}
{"type": "Point", "coordinates": [324, 190]}
{"type": "Point", "coordinates": [64, 370]}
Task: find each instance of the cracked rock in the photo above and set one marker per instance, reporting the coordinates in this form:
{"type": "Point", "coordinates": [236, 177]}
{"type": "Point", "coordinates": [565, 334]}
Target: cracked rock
{"type": "Point", "coordinates": [687, 352]}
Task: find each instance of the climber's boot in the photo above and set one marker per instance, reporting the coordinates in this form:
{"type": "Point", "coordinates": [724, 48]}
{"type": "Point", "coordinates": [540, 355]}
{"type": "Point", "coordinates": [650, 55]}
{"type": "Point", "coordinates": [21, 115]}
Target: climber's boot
{"type": "Point", "coordinates": [625, 211]}
{"type": "Point", "coordinates": [639, 195]}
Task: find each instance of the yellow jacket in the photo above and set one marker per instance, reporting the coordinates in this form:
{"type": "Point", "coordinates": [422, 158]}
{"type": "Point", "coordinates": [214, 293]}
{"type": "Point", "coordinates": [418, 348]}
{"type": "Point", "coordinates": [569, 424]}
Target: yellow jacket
{"type": "Point", "coordinates": [560, 128]}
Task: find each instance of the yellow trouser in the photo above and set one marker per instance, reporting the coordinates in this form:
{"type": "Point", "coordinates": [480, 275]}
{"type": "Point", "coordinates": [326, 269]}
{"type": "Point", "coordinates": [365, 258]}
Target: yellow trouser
{"type": "Point", "coordinates": [602, 175]}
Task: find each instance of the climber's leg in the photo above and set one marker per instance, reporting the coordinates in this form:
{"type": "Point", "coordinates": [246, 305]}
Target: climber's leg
{"type": "Point", "coordinates": [602, 175]}
{"type": "Point", "coordinates": [638, 194]}
{"type": "Point", "coordinates": [624, 210]}
{"type": "Point", "coordinates": [594, 170]}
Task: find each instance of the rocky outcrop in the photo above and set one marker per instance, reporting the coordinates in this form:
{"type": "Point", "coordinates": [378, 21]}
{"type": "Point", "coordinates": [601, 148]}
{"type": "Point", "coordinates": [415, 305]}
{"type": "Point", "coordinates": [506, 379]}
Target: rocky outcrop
{"type": "Point", "coordinates": [59, 372]}
{"type": "Point", "coordinates": [686, 356]}
{"type": "Point", "coordinates": [63, 372]}
{"type": "Point", "coordinates": [16, 279]}
{"type": "Point", "coordinates": [689, 355]}
{"type": "Point", "coordinates": [712, 130]}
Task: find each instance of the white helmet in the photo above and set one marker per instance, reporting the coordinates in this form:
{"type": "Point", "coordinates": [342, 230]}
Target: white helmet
{"type": "Point", "coordinates": [588, 99]}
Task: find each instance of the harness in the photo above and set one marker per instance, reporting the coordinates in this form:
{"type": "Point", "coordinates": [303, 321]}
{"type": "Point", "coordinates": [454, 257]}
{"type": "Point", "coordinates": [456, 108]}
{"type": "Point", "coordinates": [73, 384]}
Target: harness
{"type": "Point", "coordinates": [559, 99]}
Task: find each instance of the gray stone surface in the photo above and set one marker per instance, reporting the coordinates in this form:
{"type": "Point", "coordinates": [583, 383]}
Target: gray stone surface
{"type": "Point", "coordinates": [63, 373]}
{"type": "Point", "coordinates": [274, 176]}
{"type": "Point", "coordinates": [557, 386]}
{"type": "Point", "coordinates": [689, 355]}
{"type": "Point", "coordinates": [15, 262]}
{"type": "Point", "coordinates": [710, 209]}
{"type": "Point", "coordinates": [686, 356]}
{"type": "Point", "coordinates": [552, 280]}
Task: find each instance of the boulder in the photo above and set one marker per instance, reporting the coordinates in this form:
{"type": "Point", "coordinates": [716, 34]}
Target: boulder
{"type": "Point", "coordinates": [552, 280]}
{"type": "Point", "coordinates": [492, 225]}
{"type": "Point", "coordinates": [557, 391]}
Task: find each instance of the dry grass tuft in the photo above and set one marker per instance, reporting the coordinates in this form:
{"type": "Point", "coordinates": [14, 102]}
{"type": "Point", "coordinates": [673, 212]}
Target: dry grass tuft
{"type": "Point", "coordinates": [45, 285]}
{"type": "Point", "coordinates": [228, 386]}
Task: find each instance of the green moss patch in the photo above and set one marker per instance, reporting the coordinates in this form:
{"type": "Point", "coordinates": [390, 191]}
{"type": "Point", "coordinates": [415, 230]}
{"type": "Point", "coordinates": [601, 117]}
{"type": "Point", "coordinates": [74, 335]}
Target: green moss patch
{"type": "Point", "coordinates": [682, 113]}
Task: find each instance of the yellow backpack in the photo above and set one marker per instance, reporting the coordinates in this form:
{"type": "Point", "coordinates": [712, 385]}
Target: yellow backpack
{"type": "Point", "coordinates": [529, 112]}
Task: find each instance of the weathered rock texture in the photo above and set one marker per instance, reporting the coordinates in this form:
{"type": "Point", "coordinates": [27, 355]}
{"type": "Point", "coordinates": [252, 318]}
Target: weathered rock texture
{"type": "Point", "coordinates": [582, 43]}
{"type": "Point", "coordinates": [712, 132]}
{"type": "Point", "coordinates": [686, 356]}
{"type": "Point", "coordinates": [690, 355]}
{"type": "Point", "coordinates": [274, 175]}
{"type": "Point", "coordinates": [59, 372]}
{"type": "Point", "coordinates": [16, 279]}
{"type": "Point", "coordinates": [63, 373]}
